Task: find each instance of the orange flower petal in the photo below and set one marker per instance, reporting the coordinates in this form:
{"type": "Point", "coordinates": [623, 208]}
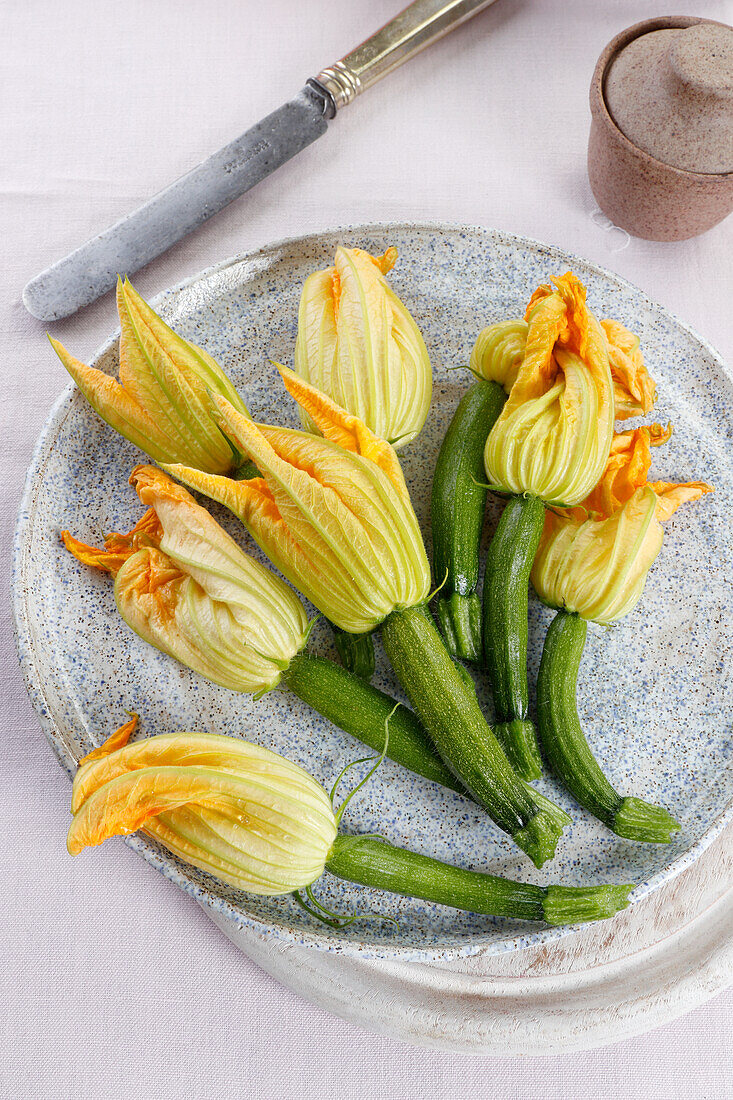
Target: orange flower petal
{"type": "Point", "coordinates": [628, 469]}
{"type": "Point", "coordinates": [670, 495]}
{"type": "Point", "coordinates": [115, 405]}
{"type": "Point", "coordinates": [190, 750]}
{"type": "Point", "coordinates": [109, 561]}
{"type": "Point", "coordinates": [124, 804]}
{"type": "Point", "coordinates": [116, 740]}
{"type": "Point", "coordinates": [634, 389]}
{"type": "Point", "coordinates": [118, 548]}
{"type": "Point", "coordinates": [343, 428]}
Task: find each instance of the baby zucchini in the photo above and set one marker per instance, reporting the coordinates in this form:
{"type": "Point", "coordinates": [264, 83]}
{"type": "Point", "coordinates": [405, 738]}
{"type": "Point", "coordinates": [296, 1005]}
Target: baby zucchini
{"type": "Point", "coordinates": [376, 863]}
{"type": "Point", "coordinates": [506, 586]}
{"type": "Point", "coordinates": [568, 752]}
{"type": "Point", "coordinates": [458, 506]}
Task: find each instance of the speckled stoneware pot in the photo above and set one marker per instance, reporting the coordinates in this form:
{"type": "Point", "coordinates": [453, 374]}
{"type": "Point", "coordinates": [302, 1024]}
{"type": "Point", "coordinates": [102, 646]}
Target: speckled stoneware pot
{"type": "Point", "coordinates": [656, 690]}
{"type": "Point", "coordinates": [639, 192]}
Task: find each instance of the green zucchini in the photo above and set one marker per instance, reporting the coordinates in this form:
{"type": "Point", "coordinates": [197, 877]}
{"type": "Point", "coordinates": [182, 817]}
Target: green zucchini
{"type": "Point", "coordinates": [505, 603]}
{"type": "Point", "coordinates": [360, 709]}
{"type": "Point", "coordinates": [379, 864]}
{"type": "Point", "coordinates": [445, 701]}
{"type": "Point", "coordinates": [457, 510]}
{"type": "Point", "coordinates": [567, 750]}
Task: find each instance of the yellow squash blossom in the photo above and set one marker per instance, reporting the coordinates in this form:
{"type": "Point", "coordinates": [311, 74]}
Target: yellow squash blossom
{"type": "Point", "coordinates": [358, 344]}
{"type": "Point", "coordinates": [185, 587]}
{"type": "Point", "coordinates": [554, 432]}
{"type": "Point", "coordinates": [162, 402]}
{"type": "Point", "coordinates": [332, 512]}
{"type": "Point", "coordinates": [499, 351]}
{"type": "Point", "coordinates": [241, 812]}
{"type": "Point", "coordinates": [598, 566]}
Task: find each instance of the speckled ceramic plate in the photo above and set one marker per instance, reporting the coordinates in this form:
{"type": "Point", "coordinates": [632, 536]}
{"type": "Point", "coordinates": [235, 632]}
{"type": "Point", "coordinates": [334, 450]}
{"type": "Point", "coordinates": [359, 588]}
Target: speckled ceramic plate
{"type": "Point", "coordinates": [655, 689]}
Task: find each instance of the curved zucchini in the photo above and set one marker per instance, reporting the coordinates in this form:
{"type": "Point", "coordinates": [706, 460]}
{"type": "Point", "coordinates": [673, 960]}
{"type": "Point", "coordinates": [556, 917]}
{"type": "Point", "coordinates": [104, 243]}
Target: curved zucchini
{"type": "Point", "coordinates": [568, 752]}
{"type": "Point", "coordinates": [506, 585]}
{"type": "Point", "coordinates": [457, 509]}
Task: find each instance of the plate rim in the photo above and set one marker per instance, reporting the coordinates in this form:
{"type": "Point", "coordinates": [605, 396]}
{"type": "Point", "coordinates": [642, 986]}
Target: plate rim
{"type": "Point", "coordinates": [152, 853]}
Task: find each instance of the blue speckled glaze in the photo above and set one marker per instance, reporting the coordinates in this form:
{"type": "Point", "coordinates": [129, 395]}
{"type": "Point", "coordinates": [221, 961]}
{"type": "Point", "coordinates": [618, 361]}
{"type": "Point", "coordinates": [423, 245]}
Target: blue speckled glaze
{"type": "Point", "coordinates": [656, 689]}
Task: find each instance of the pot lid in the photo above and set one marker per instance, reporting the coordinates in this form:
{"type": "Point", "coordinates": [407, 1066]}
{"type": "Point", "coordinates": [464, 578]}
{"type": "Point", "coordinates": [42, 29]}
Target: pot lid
{"type": "Point", "coordinates": [671, 93]}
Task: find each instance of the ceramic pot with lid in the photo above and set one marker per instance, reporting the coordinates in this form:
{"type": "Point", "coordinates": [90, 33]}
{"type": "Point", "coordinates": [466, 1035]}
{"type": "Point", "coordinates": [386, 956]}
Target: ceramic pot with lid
{"type": "Point", "coordinates": [660, 154]}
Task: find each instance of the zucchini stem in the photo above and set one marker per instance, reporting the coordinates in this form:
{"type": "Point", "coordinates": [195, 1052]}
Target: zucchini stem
{"type": "Point", "coordinates": [505, 604]}
{"type": "Point", "coordinates": [379, 864]}
{"type": "Point", "coordinates": [356, 652]}
{"type": "Point", "coordinates": [459, 616]}
{"type": "Point", "coordinates": [566, 748]}
{"type": "Point", "coordinates": [457, 509]}
{"type": "Point", "coordinates": [445, 700]}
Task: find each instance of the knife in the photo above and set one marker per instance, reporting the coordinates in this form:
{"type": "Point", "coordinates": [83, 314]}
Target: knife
{"type": "Point", "coordinates": [147, 232]}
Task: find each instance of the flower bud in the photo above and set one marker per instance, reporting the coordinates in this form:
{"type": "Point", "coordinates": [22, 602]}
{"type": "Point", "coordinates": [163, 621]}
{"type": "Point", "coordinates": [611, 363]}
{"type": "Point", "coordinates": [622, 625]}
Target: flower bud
{"type": "Point", "coordinates": [358, 344]}
{"type": "Point", "coordinates": [498, 352]}
{"type": "Point", "coordinates": [332, 513]}
{"type": "Point", "coordinates": [241, 812]}
{"type": "Point", "coordinates": [598, 568]}
{"type": "Point", "coordinates": [594, 559]}
{"type": "Point", "coordinates": [554, 432]}
{"type": "Point", "coordinates": [185, 587]}
{"type": "Point", "coordinates": [162, 402]}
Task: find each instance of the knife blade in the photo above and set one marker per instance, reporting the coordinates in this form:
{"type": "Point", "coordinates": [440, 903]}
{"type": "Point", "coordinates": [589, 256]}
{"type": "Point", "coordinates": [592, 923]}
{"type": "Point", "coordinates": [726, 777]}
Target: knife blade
{"type": "Point", "coordinates": [138, 238]}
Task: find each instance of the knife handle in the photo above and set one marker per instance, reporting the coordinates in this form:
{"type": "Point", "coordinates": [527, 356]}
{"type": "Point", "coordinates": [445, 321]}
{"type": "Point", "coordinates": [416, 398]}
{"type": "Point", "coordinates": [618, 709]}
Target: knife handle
{"type": "Point", "coordinates": [416, 27]}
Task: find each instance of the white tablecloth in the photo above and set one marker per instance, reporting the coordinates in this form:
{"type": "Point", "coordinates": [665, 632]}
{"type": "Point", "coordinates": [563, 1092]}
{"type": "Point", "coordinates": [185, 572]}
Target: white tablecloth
{"type": "Point", "coordinates": [112, 982]}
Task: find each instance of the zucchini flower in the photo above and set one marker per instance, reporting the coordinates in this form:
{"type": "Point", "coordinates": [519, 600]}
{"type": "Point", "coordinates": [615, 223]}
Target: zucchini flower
{"type": "Point", "coordinates": [550, 443]}
{"type": "Point", "coordinates": [597, 566]}
{"type": "Point", "coordinates": [262, 824]}
{"type": "Point", "coordinates": [596, 569]}
{"type": "Point", "coordinates": [554, 433]}
{"type": "Point", "coordinates": [358, 344]}
{"type": "Point", "coordinates": [332, 513]}
{"type": "Point", "coordinates": [162, 402]}
{"type": "Point", "coordinates": [241, 812]}
{"type": "Point", "coordinates": [499, 351]}
{"type": "Point", "coordinates": [185, 587]}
